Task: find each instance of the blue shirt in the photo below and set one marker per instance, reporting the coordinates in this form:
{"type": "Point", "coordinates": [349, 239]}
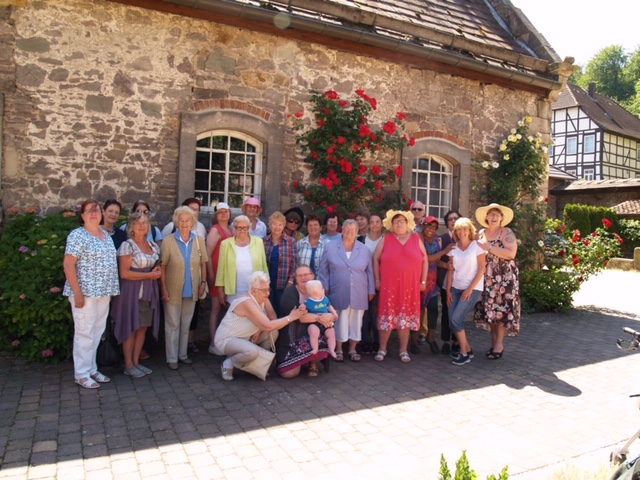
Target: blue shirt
{"type": "Point", "coordinates": [185, 250]}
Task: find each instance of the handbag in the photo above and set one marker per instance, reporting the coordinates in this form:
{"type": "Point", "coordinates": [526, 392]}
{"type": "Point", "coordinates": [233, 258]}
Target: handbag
{"type": "Point", "coordinates": [108, 353]}
{"type": "Point", "coordinates": [260, 366]}
{"type": "Point", "coordinates": [204, 294]}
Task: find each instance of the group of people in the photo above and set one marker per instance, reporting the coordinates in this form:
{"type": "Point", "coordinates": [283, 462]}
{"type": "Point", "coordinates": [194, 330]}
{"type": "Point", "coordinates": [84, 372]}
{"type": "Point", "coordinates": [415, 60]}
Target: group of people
{"type": "Point", "coordinates": [308, 297]}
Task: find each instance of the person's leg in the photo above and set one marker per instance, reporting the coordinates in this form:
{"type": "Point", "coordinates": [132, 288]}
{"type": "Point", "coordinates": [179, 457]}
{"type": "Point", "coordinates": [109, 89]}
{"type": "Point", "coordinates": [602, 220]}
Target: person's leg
{"type": "Point", "coordinates": [330, 333]}
{"type": "Point", "coordinates": [355, 328]}
{"type": "Point", "coordinates": [82, 341]}
{"type": "Point", "coordinates": [139, 336]}
{"type": "Point", "coordinates": [188, 305]}
{"type": "Point", "coordinates": [314, 337]}
{"type": "Point", "coordinates": [193, 326]}
{"type": "Point", "coordinates": [432, 318]}
{"type": "Point", "coordinates": [500, 332]}
{"type": "Point", "coordinates": [384, 339]}
{"type": "Point", "coordinates": [445, 329]}
{"type": "Point", "coordinates": [127, 350]}
{"type": "Point", "coordinates": [457, 314]}
{"type": "Point", "coordinates": [214, 318]}
{"type": "Point", "coordinates": [424, 326]}
{"type": "Point", "coordinates": [171, 332]}
{"type": "Point", "coordinates": [403, 337]}
{"type": "Point", "coordinates": [100, 312]}
{"type": "Point", "coordinates": [342, 331]}
{"type": "Point", "coordinates": [239, 352]}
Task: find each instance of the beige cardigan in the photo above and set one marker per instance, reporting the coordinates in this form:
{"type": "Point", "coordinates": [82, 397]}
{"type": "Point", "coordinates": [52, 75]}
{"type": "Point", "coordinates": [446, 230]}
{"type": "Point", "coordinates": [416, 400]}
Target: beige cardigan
{"type": "Point", "coordinates": [171, 257]}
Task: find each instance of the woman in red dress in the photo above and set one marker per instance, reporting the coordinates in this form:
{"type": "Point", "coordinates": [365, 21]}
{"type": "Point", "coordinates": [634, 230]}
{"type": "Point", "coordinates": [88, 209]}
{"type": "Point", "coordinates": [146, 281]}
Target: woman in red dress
{"type": "Point", "coordinates": [220, 231]}
{"type": "Point", "coordinates": [400, 266]}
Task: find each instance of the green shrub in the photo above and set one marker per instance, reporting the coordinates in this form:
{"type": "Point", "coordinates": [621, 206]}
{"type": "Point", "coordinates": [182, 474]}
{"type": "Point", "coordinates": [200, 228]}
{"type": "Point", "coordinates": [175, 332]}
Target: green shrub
{"type": "Point", "coordinates": [35, 319]}
{"type": "Point", "coordinates": [547, 290]}
{"type": "Point", "coordinates": [629, 230]}
{"type": "Point", "coordinates": [464, 472]}
{"type": "Point", "coordinates": [577, 217]}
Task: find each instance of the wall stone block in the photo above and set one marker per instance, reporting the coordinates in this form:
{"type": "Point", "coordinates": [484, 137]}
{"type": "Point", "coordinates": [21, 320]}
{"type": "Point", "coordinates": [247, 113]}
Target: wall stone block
{"type": "Point", "coordinates": [33, 44]}
{"type": "Point", "coordinates": [97, 103]}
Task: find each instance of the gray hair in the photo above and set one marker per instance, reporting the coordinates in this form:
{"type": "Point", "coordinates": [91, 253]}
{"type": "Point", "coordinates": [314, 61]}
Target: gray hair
{"type": "Point", "coordinates": [350, 221]}
{"type": "Point", "coordinates": [184, 210]}
{"type": "Point", "coordinates": [256, 278]}
{"type": "Point", "coordinates": [134, 218]}
{"type": "Point", "coordinates": [241, 219]}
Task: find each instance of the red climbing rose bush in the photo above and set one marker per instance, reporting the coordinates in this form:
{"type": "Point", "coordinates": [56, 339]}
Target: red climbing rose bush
{"type": "Point", "coordinates": [346, 154]}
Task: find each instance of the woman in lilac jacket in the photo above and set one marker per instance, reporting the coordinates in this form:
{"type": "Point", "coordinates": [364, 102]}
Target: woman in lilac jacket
{"type": "Point", "coordinates": [346, 273]}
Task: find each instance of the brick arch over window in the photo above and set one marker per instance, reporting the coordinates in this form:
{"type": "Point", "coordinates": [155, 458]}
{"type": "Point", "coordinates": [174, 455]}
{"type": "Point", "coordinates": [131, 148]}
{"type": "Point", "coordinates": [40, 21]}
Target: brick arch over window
{"type": "Point", "coordinates": [449, 149]}
{"type": "Point", "coordinates": [252, 121]}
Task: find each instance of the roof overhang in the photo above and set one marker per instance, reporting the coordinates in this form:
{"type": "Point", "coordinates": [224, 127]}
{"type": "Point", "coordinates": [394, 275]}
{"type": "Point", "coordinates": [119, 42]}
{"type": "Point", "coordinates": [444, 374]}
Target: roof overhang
{"type": "Point", "coordinates": [362, 33]}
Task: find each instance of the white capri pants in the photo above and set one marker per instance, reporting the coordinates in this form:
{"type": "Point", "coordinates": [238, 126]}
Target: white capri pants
{"type": "Point", "coordinates": [349, 325]}
{"type": "Point", "coordinates": [89, 323]}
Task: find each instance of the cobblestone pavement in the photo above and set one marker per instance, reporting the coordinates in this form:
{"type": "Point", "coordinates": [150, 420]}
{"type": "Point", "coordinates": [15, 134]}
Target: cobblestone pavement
{"type": "Point", "coordinates": [559, 394]}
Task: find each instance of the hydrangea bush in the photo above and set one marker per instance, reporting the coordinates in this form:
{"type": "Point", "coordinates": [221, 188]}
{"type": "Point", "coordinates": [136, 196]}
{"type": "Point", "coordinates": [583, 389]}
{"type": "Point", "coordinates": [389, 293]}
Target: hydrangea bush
{"type": "Point", "coordinates": [342, 148]}
{"type": "Point", "coordinates": [35, 319]}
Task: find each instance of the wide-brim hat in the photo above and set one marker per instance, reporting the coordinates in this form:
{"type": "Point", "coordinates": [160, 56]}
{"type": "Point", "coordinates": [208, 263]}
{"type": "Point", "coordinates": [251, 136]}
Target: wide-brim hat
{"type": "Point", "coordinates": [481, 214]}
{"type": "Point", "coordinates": [411, 223]}
{"type": "Point", "coordinates": [298, 211]}
{"type": "Point", "coordinates": [251, 201]}
{"type": "Point", "coordinates": [431, 219]}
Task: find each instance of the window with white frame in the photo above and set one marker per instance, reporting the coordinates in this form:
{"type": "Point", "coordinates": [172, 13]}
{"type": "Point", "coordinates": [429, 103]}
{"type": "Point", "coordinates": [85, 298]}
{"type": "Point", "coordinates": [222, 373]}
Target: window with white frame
{"type": "Point", "coordinates": [589, 174]}
{"type": "Point", "coordinates": [572, 146]}
{"type": "Point", "coordinates": [431, 184]}
{"type": "Point", "coordinates": [228, 167]}
{"type": "Point", "coordinates": [589, 145]}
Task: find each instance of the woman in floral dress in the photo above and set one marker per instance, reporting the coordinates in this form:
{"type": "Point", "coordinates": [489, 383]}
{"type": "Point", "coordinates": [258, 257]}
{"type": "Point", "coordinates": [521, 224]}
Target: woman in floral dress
{"type": "Point", "coordinates": [499, 310]}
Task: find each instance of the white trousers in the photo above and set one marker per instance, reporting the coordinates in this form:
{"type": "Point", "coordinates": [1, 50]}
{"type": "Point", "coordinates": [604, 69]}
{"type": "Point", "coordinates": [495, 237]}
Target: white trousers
{"type": "Point", "coordinates": [89, 323]}
{"type": "Point", "coordinates": [349, 325]}
{"type": "Point", "coordinates": [177, 320]}
{"type": "Point", "coordinates": [241, 351]}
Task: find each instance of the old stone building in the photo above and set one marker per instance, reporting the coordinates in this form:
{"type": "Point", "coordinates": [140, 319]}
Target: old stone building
{"type": "Point", "coordinates": [153, 98]}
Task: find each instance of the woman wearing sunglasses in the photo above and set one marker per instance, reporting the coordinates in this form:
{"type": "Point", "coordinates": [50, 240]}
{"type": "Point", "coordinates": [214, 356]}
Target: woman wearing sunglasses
{"type": "Point", "coordinates": [295, 218]}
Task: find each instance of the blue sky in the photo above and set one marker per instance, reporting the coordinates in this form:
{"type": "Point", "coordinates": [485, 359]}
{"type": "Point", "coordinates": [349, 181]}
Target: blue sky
{"type": "Point", "coordinates": [580, 28]}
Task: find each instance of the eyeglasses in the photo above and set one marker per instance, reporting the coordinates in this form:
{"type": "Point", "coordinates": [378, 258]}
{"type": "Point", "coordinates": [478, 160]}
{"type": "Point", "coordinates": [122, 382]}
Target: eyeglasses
{"type": "Point", "coordinates": [293, 220]}
{"type": "Point", "coordinates": [414, 209]}
{"type": "Point", "coordinates": [146, 212]}
{"type": "Point", "coordinates": [266, 291]}
{"type": "Point", "coordinates": [93, 210]}
{"type": "Point", "coordinates": [453, 219]}
{"type": "Point", "coordinates": [430, 226]}
{"type": "Point", "coordinates": [242, 228]}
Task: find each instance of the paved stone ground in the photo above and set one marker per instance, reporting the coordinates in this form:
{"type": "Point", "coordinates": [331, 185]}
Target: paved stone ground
{"type": "Point", "coordinates": [560, 394]}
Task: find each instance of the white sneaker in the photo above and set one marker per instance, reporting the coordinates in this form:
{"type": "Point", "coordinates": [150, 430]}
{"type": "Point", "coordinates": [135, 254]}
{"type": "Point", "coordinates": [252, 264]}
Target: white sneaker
{"type": "Point", "coordinates": [213, 350]}
{"type": "Point", "coordinates": [227, 372]}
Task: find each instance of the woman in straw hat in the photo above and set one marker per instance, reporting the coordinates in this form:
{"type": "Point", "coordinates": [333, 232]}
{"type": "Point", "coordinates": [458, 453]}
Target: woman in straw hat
{"type": "Point", "coordinates": [400, 267]}
{"type": "Point", "coordinates": [499, 311]}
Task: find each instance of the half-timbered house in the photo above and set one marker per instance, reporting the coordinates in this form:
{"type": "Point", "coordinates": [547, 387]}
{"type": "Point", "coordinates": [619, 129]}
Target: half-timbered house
{"type": "Point", "coordinates": [595, 138]}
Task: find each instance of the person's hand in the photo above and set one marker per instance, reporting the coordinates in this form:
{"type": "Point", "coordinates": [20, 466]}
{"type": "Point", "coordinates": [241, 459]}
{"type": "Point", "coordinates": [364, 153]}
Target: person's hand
{"type": "Point", "coordinates": [371, 295]}
{"type": "Point", "coordinates": [295, 314]}
{"type": "Point", "coordinates": [165, 296]}
{"type": "Point", "coordinates": [448, 248]}
{"type": "Point", "coordinates": [377, 284]}
{"type": "Point", "coordinates": [450, 266]}
{"type": "Point", "coordinates": [449, 298]}
{"type": "Point", "coordinates": [327, 319]}
{"type": "Point", "coordinates": [155, 273]}
{"type": "Point", "coordinates": [423, 287]}
{"type": "Point", "coordinates": [78, 300]}
{"type": "Point", "coordinates": [221, 296]}
{"type": "Point", "coordinates": [466, 295]}
{"type": "Point", "coordinates": [255, 336]}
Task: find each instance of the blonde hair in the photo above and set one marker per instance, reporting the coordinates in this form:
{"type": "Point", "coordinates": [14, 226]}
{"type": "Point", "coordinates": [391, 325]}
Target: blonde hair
{"type": "Point", "coordinates": [461, 223]}
{"type": "Point", "coordinates": [277, 217]}
{"type": "Point", "coordinates": [184, 210]}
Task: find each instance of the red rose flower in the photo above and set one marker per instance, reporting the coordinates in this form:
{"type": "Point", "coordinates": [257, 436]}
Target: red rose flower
{"type": "Point", "coordinates": [586, 241]}
{"type": "Point", "coordinates": [343, 103]}
{"type": "Point", "coordinates": [374, 137]}
{"type": "Point", "coordinates": [340, 140]}
{"type": "Point", "coordinates": [398, 171]}
{"type": "Point", "coordinates": [606, 222]}
{"type": "Point", "coordinates": [356, 147]}
{"type": "Point", "coordinates": [326, 111]}
{"type": "Point", "coordinates": [401, 116]}
{"type": "Point", "coordinates": [307, 193]}
{"type": "Point", "coordinates": [299, 114]}
{"type": "Point", "coordinates": [389, 127]}
{"type": "Point", "coordinates": [320, 123]}
{"type": "Point", "coordinates": [412, 141]}
{"type": "Point", "coordinates": [296, 184]}
{"type": "Point", "coordinates": [365, 131]}
{"type": "Point", "coordinates": [330, 94]}
{"type": "Point", "coordinates": [378, 185]}
{"type": "Point", "coordinates": [376, 170]}
{"type": "Point", "coordinates": [576, 260]}
{"type": "Point", "coordinates": [561, 253]}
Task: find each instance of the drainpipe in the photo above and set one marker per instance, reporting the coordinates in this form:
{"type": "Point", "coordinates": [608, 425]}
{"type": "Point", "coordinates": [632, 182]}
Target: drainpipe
{"type": "Point", "coordinates": [1, 152]}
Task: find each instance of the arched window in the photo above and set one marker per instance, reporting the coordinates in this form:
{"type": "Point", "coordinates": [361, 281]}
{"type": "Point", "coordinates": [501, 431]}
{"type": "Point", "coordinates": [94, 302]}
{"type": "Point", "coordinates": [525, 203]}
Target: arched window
{"type": "Point", "coordinates": [228, 167]}
{"type": "Point", "coordinates": [431, 183]}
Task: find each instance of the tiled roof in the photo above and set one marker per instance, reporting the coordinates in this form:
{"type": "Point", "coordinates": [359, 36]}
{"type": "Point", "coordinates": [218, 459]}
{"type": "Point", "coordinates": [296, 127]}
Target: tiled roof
{"type": "Point", "coordinates": [610, 184]}
{"type": "Point", "coordinates": [490, 31]}
{"type": "Point", "coordinates": [555, 172]}
{"type": "Point", "coordinates": [630, 207]}
{"type": "Point", "coordinates": [602, 110]}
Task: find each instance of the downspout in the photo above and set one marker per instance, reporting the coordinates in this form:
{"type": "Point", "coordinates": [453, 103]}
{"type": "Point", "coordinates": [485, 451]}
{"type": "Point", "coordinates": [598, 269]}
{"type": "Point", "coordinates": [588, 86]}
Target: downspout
{"type": "Point", "coordinates": [1, 153]}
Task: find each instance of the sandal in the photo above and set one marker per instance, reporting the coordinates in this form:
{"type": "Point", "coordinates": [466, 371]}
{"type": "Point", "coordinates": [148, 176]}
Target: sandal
{"type": "Point", "coordinates": [434, 347]}
{"type": "Point", "coordinates": [100, 378]}
{"type": "Point", "coordinates": [354, 356]}
{"type": "Point", "coordinates": [380, 355]}
{"type": "Point", "coordinates": [489, 352]}
{"type": "Point", "coordinates": [339, 357]}
{"type": "Point", "coordinates": [404, 357]}
{"type": "Point", "coordinates": [494, 355]}
{"type": "Point", "coordinates": [313, 369]}
{"type": "Point", "coordinates": [143, 355]}
{"type": "Point", "coordinates": [87, 383]}
{"type": "Point", "coordinates": [193, 348]}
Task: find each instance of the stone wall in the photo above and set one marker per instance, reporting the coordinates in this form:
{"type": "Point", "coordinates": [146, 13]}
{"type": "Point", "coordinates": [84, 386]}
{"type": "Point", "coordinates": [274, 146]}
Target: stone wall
{"type": "Point", "coordinates": [95, 93]}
